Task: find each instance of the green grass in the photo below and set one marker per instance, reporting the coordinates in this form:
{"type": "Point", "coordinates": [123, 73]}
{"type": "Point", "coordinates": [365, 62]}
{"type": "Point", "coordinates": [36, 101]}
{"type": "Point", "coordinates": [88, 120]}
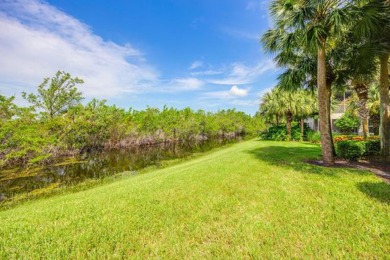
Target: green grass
{"type": "Point", "coordinates": [251, 200]}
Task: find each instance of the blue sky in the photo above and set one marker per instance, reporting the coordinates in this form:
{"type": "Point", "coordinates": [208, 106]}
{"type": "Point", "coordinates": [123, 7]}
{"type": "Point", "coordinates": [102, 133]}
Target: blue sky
{"type": "Point", "coordinates": [204, 54]}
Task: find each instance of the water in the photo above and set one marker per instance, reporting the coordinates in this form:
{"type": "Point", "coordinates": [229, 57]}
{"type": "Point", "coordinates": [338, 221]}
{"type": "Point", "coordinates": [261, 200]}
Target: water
{"type": "Point", "coordinates": [96, 165]}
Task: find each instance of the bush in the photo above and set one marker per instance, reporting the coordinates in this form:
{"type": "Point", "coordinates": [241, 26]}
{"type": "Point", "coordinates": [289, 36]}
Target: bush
{"type": "Point", "coordinates": [338, 138]}
{"type": "Point", "coordinates": [279, 133]}
{"type": "Point", "coordinates": [372, 147]}
{"type": "Point", "coordinates": [314, 137]}
{"type": "Point", "coordinates": [347, 123]}
{"type": "Point", "coordinates": [350, 150]}
{"type": "Point", "coordinates": [275, 133]}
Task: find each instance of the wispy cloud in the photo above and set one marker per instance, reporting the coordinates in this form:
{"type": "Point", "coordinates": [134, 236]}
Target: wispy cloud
{"type": "Point", "coordinates": [37, 39]}
{"type": "Point", "coordinates": [207, 73]}
{"type": "Point", "coordinates": [196, 64]}
{"type": "Point", "coordinates": [182, 84]}
{"type": "Point", "coordinates": [235, 96]}
{"type": "Point", "coordinates": [240, 74]}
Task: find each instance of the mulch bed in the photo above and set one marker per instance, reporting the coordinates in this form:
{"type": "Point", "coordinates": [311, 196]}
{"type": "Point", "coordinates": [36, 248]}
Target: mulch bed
{"type": "Point", "coordinates": [381, 168]}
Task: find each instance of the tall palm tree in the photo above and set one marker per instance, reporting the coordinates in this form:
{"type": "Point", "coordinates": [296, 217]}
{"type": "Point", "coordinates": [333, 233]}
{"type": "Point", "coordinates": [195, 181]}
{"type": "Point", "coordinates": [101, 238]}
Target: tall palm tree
{"type": "Point", "coordinates": [372, 20]}
{"type": "Point", "coordinates": [311, 25]}
{"type": "Point", "coordinates": [270, 107]}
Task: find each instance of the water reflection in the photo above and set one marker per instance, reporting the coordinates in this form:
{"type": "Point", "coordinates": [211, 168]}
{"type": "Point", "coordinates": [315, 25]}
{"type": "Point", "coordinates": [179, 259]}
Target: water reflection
{"type": "Point", "coordinates": [98, 165]}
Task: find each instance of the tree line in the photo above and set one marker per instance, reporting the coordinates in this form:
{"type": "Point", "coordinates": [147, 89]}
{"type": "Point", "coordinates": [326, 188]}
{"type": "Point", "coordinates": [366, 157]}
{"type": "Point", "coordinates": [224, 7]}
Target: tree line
{"type": "Point", "coordinates": [57, 123]}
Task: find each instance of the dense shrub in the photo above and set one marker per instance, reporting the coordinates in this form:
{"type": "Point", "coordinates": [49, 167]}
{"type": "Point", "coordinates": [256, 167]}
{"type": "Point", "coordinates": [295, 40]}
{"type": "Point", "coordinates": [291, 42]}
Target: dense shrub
{"type": "Point", "coordinates": [31, 137]}
{"type": "Point", "coordinates": [314, 136]}
{"type": "Point", "coordinates": [275, 133]}
{"type": "Point", "coordinates": [347, 123]}
{"type": "Point", "coordinates": [279, 133]}
{"type": "Point", "coordinates": [338, 138]}
{"type": "Point", "coordinates": [350, 150]}
{"type": "Point", "coordinates": [372, 147]}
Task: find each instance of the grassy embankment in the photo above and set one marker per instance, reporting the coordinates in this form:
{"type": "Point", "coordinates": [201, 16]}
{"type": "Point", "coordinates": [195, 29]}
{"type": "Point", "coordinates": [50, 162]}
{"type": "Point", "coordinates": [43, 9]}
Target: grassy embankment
{"type": "Point", "coordinates": [253, 199]}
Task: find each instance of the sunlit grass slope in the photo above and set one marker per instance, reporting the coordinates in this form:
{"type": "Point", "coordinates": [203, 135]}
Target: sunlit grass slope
{"type": "Point", "coordinates": [253, 199]}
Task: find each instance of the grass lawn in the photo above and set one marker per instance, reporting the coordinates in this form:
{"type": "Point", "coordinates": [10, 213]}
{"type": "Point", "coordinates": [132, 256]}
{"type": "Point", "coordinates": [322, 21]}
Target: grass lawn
{"type": "Point", "coordinates": [254, 199]}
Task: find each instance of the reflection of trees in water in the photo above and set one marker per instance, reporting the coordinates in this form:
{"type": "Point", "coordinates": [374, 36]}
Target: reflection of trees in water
{"type": "Point", "coordinates": [101, 164]}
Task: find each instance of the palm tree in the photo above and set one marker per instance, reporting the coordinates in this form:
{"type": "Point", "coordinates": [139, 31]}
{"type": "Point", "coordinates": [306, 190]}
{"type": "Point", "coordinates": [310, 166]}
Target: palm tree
{"type": "Point", "coordinates": [307, 106]}
{"type": "Point", "coordinates": [311, 25]}
{"type": "Point", "coordinates": [289, 104]}
{"type": "Point", "coordinates": [270, 107]}
{"type": "Point", "coordinates": [372, 20]}
{"type": "Point", "coordinates": [372, 106]}
{"type": "Point", "coordinates": [356, 58]}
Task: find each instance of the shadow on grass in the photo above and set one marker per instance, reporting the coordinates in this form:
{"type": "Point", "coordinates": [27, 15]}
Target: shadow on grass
{"type": "Point", "coordinates": [377, 190]}
{"type": "Point", "coordinates": [295, 157]}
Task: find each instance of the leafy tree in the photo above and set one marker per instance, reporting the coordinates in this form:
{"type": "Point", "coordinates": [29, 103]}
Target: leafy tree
{"type": "Point", "coordinates": [7, 108]}
{"type": "Point", "coordinates": [56, 95]}
{"type": "Point", "coordinates": [347, 123]}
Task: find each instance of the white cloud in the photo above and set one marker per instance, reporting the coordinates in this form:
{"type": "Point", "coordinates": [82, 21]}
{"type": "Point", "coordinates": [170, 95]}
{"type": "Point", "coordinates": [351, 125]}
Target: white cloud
{"type": "Point", "coordinates": [240, 74]}
{"type": "Point", "coordinates": [37, 39]}
{"type": "Point", "coordinates": [238, 92]}
{"type": "Point", "coordinates": [233, 93]}
{"type": "Point", "coordinates": [196, 64]}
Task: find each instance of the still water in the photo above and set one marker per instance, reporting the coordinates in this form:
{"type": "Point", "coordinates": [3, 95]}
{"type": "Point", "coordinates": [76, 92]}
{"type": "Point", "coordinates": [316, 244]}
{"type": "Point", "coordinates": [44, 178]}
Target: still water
{"type": "Point", "coordinates": [97, 165]}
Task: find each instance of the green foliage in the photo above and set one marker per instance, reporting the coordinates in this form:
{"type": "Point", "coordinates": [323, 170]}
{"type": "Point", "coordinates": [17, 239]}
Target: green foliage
{"type": "Point", "coordinates": [7, 108]}
{"type": "Point", "coordinates": [24, 141]}
{"type": "Point", "coordinates": [347, 123]}
{"type": "Point", "coordinates": [314, 136]}
{"type": "Point", "coordinates": [67, 126]}
{"type": "Point", "coordinates": [56, 95]}
{"type": "Point", "coordinates": [280, 102]}
{"type": "Point", "coordinates": [350, 150]}
{"type": "Point", "coordinates": [279, 133]}
{"type": "Point", "coordinates": [372, 147]}
{"type": "Point", "coordinates": [275, 133]}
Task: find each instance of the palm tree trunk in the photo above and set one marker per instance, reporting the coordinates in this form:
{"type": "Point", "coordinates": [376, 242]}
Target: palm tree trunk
{"type": "Point", "coordinates": [277, 120]}
{"type": "Point", "coordinates": [362, 93]}
{"type": "Point", "coordinates": [324, 108]}
{"type": "Point", "coordinates": [384, 129]}
{"type": "Point", "coordinates": [328, 114]}
{"type": "Point", "coordinates": [365, 128]}
{"type": "Point", "coordinates": [302, 128]}
{"type": "Point", "coordinates": [288, 119]}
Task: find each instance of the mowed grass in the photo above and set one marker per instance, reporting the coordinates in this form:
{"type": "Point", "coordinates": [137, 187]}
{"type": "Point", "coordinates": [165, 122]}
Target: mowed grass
{"type": "Point", "coordinates": [251, 200]}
